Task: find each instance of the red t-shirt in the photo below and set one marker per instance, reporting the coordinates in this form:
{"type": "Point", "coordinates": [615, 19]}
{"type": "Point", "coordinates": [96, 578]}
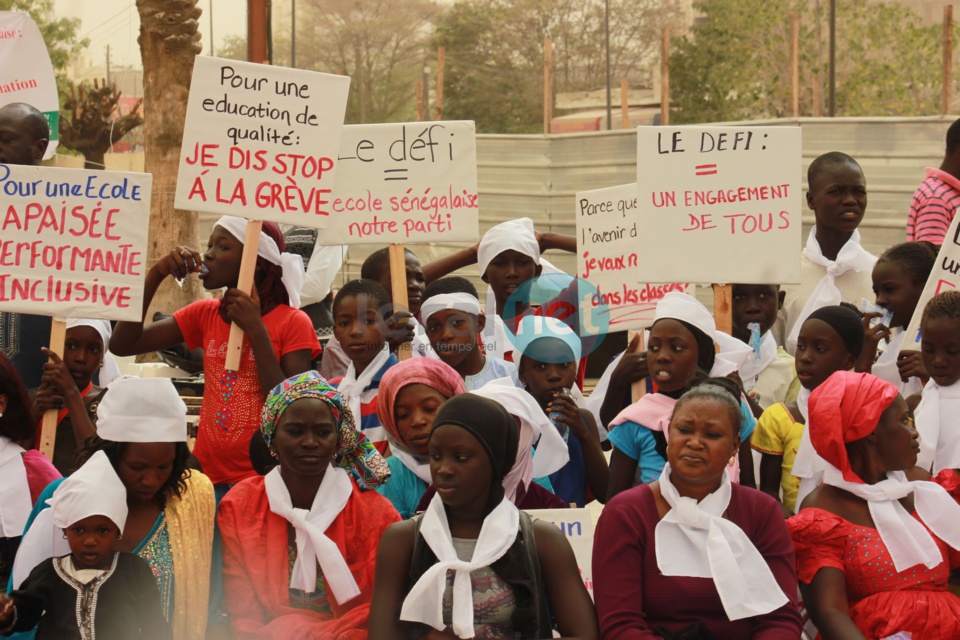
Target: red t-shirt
{"type": "Point", "coordinates": [232, 402]}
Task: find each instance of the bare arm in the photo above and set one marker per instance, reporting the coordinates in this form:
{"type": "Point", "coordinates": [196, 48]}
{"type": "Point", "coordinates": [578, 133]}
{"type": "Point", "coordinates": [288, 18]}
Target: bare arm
{"type": "Point", "coordinates": [569, 600]}
{"type": "Point", "coordinates": [390, 582]}
{"type": "Point", "coordinates": [623, 469]}
{"type": "Point", "coordinates": [771, 472]}
{"type": "Point", "coordinates": [598, 473]}
{"type": "Point", "coordinates": [745, 454]}
{"type": "Point", "coordinates": [826, 600]}
{"type": "Point", "coordinates": [448, 264]}
{"type": "Point", "coordinates": [559, 241]}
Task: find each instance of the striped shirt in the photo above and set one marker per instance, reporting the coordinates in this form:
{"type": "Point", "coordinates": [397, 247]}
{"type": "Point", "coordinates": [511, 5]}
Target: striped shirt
{"type": "Point", "coordinates": [370, 424]}
{"type": "Point", "coordinates": [933, 206]}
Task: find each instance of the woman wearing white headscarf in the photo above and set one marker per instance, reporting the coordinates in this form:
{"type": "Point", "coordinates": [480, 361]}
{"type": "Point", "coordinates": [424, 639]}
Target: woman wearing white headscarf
{"type": "Point", "coordinates": [694, 555]}
{"type": "Point", "coordinates": [142, 429]}
{"type": "Point", "coordinates": [67, 387]}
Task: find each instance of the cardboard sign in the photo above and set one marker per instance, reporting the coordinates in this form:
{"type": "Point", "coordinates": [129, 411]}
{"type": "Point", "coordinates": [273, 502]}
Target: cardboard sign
{"type": "Point", "coordinates": [719, 204]}
{"type": "Point", "coordinates": [405, 182]}
{"type": "Point", "coordinates": [577, 526]}
{"type": "Point", "coordinates": [608, 226]}
{"type": "Point", "coordinates": [73, 242]}
{"type": "Point", "coordinates": [26, 73]}
{"type": "Point", "coordinates": [945, 276]}
{"type": "Point", "coordinates": [260, 142]}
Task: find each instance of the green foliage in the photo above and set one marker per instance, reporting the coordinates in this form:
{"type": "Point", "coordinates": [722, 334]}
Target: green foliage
{"type": "Point", "coordinates": [61, 35]}
{"type": "Point", "coordinates": [735, 63]}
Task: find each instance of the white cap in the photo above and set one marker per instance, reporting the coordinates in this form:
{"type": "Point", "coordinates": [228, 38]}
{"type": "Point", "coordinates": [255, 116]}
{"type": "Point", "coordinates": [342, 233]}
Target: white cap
{"type": "Point", "coordinates": [142, 410]}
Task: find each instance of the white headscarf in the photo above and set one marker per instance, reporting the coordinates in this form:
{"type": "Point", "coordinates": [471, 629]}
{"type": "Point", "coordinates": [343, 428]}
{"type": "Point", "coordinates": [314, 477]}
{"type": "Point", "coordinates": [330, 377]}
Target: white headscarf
{"type": "Point", "coordinates": [695, 540]}
{"type": "Point", "coordinates": [109, 370]}
{"type": "Point", "coordinates": [517, 235]}
{"type": "Point", "coordinates": [142, 410]}
{"type": "Point", "coordinates": [852, 257]}
{"type": "Point", "coordinates": [683, 306]}
{"type": "Point", "coordinates": [93, 490]}
{"type": "Point", "coordinates": [290, 264]}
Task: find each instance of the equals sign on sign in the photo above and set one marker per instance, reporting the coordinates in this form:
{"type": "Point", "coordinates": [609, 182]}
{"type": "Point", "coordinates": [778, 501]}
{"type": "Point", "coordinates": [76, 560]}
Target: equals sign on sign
{"type": "Point", "coordinates": [705, 169]}
{"type": "Point", "coordinates": [394, 174]}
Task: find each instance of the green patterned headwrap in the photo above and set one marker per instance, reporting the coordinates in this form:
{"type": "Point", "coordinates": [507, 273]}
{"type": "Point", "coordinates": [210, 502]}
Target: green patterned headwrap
{"type": "Point", "coordinates": [355, 453]}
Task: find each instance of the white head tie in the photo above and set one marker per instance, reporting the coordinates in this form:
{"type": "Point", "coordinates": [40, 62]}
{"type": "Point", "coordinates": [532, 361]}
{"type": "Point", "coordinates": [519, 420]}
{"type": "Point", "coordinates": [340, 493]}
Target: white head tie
{"type": "Point", "coordinates": [313, 545]}
{"type": "Point", "coordinates": [142, 410]}
{"type": "Point", "coordinates": [532, 328]}
{"type": "Point", "coordinates": [424, 603]}
{"type": "Point", "coordinates": [291, 264]}
{"type": "Point", "coordinates": [518, 235]}
{"type": "Point", "coordinates": [458, 301]}
{"type": "Point", "coordinates": [694, 540]}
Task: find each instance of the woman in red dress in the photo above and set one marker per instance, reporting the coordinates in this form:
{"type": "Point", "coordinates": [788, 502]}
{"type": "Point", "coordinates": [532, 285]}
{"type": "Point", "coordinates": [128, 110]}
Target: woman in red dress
{"type": "Point", "coordinates": [874, 549]}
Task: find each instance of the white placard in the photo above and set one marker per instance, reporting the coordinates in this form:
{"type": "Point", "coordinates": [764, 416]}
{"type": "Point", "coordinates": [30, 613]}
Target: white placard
{"type": "Point", "coordinates": [26, 74]}
{"type": "Point", "coordinates": [405, 182]}
{"type": "Point", "coordinates": [261, 142]}
{"type": "Point", "coordinates": [719, 204]}
{"type": "Point", "coordinates": [608, 227]}
{"type": "Point", "coordinates": [73, 242]}
{"type": "Point", "coordinates": [944, 277]}
{"type": "Point", "coordinates": [577, 526]}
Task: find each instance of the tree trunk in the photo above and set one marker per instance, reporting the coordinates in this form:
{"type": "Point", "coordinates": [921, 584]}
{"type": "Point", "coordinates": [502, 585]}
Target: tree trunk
{"type": "Point", "coordinates": [93, 159]}
{"type": "Point", "coordinates": [169, 42]}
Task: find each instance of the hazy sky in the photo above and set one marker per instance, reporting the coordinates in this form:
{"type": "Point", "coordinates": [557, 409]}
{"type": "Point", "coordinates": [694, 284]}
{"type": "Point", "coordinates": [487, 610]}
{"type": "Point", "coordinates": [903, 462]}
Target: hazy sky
{"type": "Point", "coordinates": [115, 22]}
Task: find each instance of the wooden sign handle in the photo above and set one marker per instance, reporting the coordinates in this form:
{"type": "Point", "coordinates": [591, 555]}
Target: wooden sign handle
{"type": "Point", "coordinates": [248, 266]}
{"type": "Point", "coordinates": [398, 291]}
{"type": "Point", "coordinates": [48, 427]}
{"type": "Point", "coordinates": [723, 307]}
{"type": "Point", "coordinates": [638, 388]}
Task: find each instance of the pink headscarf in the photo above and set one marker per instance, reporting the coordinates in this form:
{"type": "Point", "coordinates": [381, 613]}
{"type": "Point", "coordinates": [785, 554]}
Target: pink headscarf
{"type": "Point", "coordinates": [846, 407]}
{"type": "Point", "coordinates": [428, 371]}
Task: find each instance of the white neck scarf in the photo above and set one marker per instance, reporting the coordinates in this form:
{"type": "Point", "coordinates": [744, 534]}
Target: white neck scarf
{"type": "Point", "coordinates": [808, 465]}
{"type": "Point", "coordinates": [694, 540]}
{"type": "Point", "coordinates": [408, 460]}
{"type": "Point", "coordinates": [424, 603]}
{"type": "Point", "coordinates": [15, 502]}
{"type": "Point", "coordinates": [291, 264]}
{"type": "Point", "coordinates": [886, 367]}
{"type": "Point", "coordinates": [937, 424]}
{"type": "Point", "coordinates": [351, 387]}
{"type": "Point", "coordinates": [313, 545]}
{"type": "Point", "coordinates": [754, 366]}
{"type": "Point", "coordinates": [852, 257]}
{"type": "Point", "coordinates": [908, 542]}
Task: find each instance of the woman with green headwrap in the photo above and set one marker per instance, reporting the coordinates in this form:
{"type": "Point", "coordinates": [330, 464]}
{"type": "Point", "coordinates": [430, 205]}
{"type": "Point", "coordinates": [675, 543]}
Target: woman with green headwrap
{"type": "Point", "coordinates": [317, 508]}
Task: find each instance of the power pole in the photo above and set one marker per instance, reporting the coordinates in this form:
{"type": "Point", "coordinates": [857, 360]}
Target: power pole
{"type": "Point", "coordinates": [257, 31]}
{"type": "Point", "coordinates": [293, 34]}
{"type": "Point", "coordinates": [606, 30]}
{"type": "Point", "coordinates": [108, 64]}
{"type": "Point", "coordinates": [212, 54]}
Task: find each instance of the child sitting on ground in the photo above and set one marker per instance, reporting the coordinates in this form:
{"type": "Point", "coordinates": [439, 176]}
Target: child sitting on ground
{"type": "Point", "coordinates": [834, 267]}
{"type": "Point", "coordinates": [360, 310]}
{"type": "Point", "coordinates": [830, 340]}
{"type": "Point", "coordinates": [768, 376]}
{"type": "Point", "coordinates": [454, 321]}
{"type": "Point", "coordinates": [92, 591]}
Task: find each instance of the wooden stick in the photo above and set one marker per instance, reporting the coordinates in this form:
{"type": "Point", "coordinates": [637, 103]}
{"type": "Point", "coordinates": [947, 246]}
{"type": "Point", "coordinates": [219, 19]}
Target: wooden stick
{"type": "Point", "coordinates": [48, 427]}
{"type": "Point", "coordinates": [723, 307]}
{"type": "Point", "coordinates": [441, 54]}
{"type": "Point", "coordinates": [547, 84]}
{"type": "Point", "coordinates": [248, 265]}
{"type": "Point", "coordinates": [637, 389]}
{"type": "Point", "coordinates": [398, 291]}
{"type": "Point", "coordinates": [795, 64]}
{"type": "Point", "coordinates": [946, 91]}
{"type": "Point", "coordinates": [665, 78]}
{"type": "Point", "coordinates": [624, 104]}
{"type": "Point", "coordinates": [419, 91]}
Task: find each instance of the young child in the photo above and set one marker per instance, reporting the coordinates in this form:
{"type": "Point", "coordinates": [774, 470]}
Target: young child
{"type": "Point", "coordinates": [454, 321]}
{"type": "Point", "coordinates": [940, 406]}
{"type": "Point", "coordinates": [548, 369]}
{"type": "Point", "coordinates": [360, 310]}
{"type": "Point", "coordinates": [768, 377]}
{"type": "Point", "coordinates": [67, 386]}
{"type": "Point", "coordinates": [830, 340]}
{"type": "Point", "coordinates": [279, 340]}
{"type": "Point", "coordinates": [410, 394]}
{"type": "Point", "coordinates": [833, 265]}
{"type": "Point", "coordinates": [898, 280]}
{"type": "Point", "coordinates": [79, 586]}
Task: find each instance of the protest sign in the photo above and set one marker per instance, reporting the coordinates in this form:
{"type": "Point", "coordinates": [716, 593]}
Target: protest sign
{"type": "Point", "coordinates": [719, 204]}
{"type": "Point", "coordinates": [260, 142]}
{"type": "Point", "coordinates": [577, 526]}
{"type": "Point", "coordinates": [405, 182]}
{"type": "Point", "coordinates": [26, 74]}
{"type": "Point", "coordinates": [944, 277]}
{"type": "Point", "coordinates": [73, 242]}
{"type": "Point", "coordinates": [608, 226]}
